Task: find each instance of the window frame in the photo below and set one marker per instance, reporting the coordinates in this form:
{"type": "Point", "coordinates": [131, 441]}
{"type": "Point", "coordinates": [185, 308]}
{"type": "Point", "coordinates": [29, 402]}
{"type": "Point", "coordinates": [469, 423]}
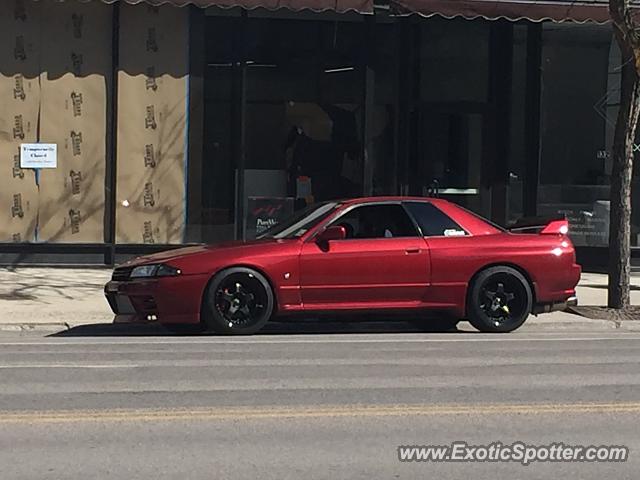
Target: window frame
{"type": "Point", "coordinates": [332, 221]}
{"type": "Point", "coordinates": [415, 221]}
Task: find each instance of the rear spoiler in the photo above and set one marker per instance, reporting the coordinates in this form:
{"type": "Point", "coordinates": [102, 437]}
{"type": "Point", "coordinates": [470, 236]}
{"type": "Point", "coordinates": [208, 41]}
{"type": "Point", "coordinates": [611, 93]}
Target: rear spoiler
{"type": "Point", "coordinates": [552, 225]}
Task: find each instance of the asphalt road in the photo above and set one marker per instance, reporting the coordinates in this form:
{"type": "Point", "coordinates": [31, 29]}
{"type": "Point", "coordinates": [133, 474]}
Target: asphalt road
{"type": "Point", "coordinates": [306, 406]}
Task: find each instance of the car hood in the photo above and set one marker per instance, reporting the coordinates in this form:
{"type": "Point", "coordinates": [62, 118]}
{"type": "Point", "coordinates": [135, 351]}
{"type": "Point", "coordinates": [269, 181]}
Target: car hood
{"type": "Point", "coordinates": [235, 247]}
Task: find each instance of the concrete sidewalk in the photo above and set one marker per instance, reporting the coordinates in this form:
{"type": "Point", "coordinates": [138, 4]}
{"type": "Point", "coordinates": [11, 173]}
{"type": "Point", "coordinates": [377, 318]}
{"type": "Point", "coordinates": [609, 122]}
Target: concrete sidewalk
{"type": "Point", "coordinates": [61, 298]}
{"type": "Point", "coordinates": [52, 298]}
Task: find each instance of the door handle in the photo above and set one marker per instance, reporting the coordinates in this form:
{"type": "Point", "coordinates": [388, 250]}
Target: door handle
{"type": "Point", "coordinates": [412, 251]}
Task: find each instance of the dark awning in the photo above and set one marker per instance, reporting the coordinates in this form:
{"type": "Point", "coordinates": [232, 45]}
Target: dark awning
{"type": "Point", "coordinates": [361, 6]}
{"type": "Point", "coordinates": [535, 10]}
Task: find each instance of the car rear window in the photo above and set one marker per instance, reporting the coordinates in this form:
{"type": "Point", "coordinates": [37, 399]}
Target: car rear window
{"type": "Point", "coordinates": [432, 221]}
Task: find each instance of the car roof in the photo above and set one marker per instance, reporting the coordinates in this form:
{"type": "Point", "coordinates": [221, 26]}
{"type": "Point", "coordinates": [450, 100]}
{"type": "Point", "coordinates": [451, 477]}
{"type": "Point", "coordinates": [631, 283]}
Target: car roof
{"type": "Point", "coordinates": [389, 198]}
{"type": "Point", "coordinates": [471, 222]}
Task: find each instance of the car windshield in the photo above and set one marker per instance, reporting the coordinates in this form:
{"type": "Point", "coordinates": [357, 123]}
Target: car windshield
{"type": "Point", "coordinates": [300, 222]}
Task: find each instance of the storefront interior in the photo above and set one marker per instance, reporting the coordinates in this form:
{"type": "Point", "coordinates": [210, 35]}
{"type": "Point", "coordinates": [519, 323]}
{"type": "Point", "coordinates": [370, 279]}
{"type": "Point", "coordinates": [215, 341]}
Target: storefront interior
{"type": "Point", "coordinates": [507, 119]}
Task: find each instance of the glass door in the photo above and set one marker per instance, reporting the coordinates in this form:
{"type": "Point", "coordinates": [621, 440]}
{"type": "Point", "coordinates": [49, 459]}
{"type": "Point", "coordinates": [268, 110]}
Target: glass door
{"type": "Point", "coordinates": [448, 157]}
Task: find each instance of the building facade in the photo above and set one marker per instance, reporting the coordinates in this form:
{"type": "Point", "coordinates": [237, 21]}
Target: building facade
{"type": "Point", "coordinates": [180, 124]}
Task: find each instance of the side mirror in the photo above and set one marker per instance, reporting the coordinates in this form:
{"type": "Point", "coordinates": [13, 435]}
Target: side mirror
{"type": "Point", "coordinates": [335, 232]}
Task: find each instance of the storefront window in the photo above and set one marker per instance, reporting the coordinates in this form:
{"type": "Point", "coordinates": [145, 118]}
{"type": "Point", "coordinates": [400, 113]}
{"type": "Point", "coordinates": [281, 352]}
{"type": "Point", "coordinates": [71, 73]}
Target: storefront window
{"type": "Point", "coordinates": [304, 101]}
{"type": "Point", "coordinates": [219, 164]}
{"type": "Point", "coordinates": [448, 123]}
{"type": "Point", "coordinates": [300, 109]}
{"type": "Point", "coordinates": [517, 125]}
{"type": "Point", "coordinates": [303, 113]}
{"type": "Point", "coordinates": [383, 150]}
{"type": "Point", "coordinates": [580, 84]}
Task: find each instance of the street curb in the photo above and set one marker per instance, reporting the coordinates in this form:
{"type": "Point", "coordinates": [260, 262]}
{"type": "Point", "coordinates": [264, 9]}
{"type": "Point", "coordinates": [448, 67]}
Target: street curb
{"type": "Point", "coordinates": [563, 325]}
{"type": "Point", "coordinates": [20, 320]}
{"type": "Point", "coordinates": [590, 324]}
{"type": "Point", "coordinates": [35, 327]}
{"type": "Point", "coordinates": [52, 326]}
{"type": "Point", "coordinates": [585, 323]}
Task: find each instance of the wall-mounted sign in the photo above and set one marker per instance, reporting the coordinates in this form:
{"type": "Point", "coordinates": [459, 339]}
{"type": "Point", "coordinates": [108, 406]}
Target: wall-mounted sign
{"type": "Point", "coordinates": [38, 155]}
{"type": "Point", "coordinates": [588, 223]}
{"type": "Point", "coordinates": [266, 212]}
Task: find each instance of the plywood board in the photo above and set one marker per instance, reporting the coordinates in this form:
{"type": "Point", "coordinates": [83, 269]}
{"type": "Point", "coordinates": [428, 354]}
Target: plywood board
{"type": "Point", "coordinates": [19, 106]}
{"type": "Point", "coordinates": [152, 124]}
{"type": "Point", "coordinates": [75, 86]}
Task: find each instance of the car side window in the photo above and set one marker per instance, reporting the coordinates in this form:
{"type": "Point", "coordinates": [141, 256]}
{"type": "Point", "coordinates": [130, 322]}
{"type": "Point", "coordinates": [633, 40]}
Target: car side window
{"type": "Point", "coordinates": [432, 221]}
{"type": "Point", "coordinates": [377, 221]}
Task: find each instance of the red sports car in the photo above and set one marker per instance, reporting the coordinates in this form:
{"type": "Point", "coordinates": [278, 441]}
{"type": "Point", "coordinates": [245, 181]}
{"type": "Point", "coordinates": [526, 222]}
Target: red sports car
{"type": "Point", "coordinates": [383, 255]}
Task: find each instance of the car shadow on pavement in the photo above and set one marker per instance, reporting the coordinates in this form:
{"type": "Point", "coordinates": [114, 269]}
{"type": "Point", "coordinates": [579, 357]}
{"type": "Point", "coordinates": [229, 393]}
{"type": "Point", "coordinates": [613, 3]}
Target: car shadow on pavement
{"type": "Point", "coordinates": [297, 327]}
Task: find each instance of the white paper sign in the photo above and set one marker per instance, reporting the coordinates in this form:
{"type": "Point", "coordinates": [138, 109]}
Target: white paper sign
{"type": "Point", "coordinates": [38, 155]}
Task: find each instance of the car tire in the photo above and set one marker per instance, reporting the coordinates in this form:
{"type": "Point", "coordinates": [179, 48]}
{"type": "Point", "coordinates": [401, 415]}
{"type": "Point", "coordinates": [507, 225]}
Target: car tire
{"type": "Point", "coordinates": [500, 300]}
{"type": "Point", "coordinates": [237, 301]}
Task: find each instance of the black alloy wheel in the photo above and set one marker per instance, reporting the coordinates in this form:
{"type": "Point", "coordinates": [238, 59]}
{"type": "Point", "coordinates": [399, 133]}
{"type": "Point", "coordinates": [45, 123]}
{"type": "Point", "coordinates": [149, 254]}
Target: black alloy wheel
{"type": "Point", "coordinates": [238, 300]}
{"type": "Point", "coordinates": [500, 300]}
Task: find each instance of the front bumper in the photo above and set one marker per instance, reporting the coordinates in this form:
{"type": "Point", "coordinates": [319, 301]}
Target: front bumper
{"type": "Point", "coordinates": [166, 299]}
{"type": "Point", "coordinates": [133, 301]}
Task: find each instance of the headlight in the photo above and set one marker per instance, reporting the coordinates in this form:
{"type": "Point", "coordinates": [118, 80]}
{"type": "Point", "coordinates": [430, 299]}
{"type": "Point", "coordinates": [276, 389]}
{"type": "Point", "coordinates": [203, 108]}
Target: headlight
{"type": "Point", "coordinates": [167, 271]}
{"type": "Point", "coordinates": [145, 271]}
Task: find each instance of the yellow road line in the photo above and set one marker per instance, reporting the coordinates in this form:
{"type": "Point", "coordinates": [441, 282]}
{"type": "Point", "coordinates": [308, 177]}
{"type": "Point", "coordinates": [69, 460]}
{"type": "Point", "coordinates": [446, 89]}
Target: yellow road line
{"type": "Point", "coordinates": [248, 413]}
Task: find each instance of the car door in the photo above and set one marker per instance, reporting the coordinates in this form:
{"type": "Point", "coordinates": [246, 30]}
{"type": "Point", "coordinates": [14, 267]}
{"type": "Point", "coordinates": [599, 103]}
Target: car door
{"type": "Point", "coordinates": [383, 262]}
